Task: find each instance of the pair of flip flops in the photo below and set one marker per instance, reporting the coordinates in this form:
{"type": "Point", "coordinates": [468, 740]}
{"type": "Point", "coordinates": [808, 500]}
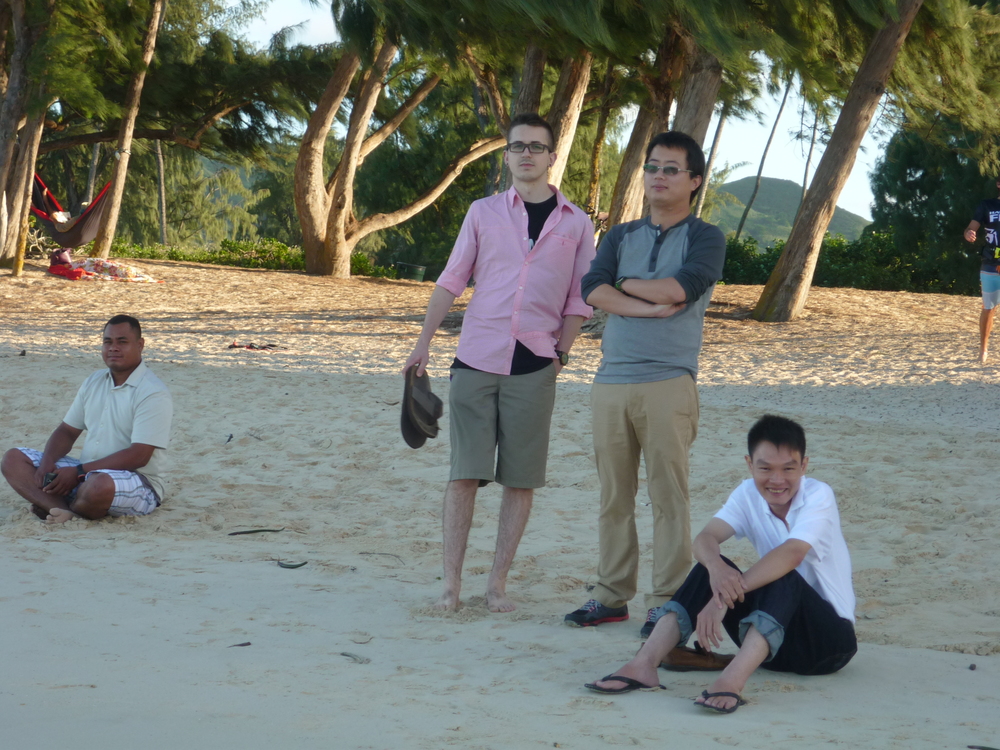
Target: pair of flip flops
{"type": "Point", "coordinates": [421, 409]}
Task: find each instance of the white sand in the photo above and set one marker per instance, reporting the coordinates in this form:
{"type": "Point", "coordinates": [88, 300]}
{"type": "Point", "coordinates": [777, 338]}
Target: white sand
{"type": "Point", "coordinates": [120, 634]}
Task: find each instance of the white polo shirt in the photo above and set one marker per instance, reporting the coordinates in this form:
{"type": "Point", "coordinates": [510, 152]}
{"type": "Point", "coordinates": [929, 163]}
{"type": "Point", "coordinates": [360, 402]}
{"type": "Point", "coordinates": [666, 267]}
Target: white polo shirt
{"type": "Point", "coordinates": [812, 518]}
{"type": "Point", "coordinates": [137, 411]}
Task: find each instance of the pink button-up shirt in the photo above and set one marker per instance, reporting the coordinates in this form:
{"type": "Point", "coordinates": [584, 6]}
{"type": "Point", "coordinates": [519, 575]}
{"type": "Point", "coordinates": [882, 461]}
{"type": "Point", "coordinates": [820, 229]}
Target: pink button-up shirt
{"type": "Point", "coordinates": [522, 292]}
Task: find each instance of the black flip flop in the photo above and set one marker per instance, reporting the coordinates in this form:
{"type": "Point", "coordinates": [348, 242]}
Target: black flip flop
{"type": "Point", "coordinates": [629, 683]}
{"type": "Point", "coordinates": [706, 695]}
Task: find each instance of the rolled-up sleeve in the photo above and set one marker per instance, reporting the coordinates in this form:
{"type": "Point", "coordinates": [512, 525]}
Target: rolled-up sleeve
{"type": "Point", "coordinates": [584, 257]}
{"type": "Point", "coordinates": [462, 261]}
{"type": "Point", "coordinates": [605, 263]}
{"type": "Point", "coordinates": [703, 267]}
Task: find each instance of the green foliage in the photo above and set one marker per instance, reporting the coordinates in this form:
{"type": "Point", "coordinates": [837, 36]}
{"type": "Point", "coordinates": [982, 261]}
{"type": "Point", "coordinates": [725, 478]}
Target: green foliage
{"type": "Point", "coordinates": [925, 193]}
{"type": "Point", "coordinates": [873, 261]}
{"type": "Point", "coordinates": [746, 263]}
{"type": "Point", "coordinates": [265, 253]}
{"type": "Point", "coordinates": [362, 265]}
{"type": "Point", "coordinates": [774, 211]}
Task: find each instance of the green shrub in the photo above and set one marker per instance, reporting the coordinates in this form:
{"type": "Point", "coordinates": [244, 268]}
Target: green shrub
{"type": "Point", "coordinates": [362, 265]}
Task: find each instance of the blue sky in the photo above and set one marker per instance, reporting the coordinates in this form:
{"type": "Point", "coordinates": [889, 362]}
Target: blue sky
{"type": "Point", "coordinates": [741, 141]}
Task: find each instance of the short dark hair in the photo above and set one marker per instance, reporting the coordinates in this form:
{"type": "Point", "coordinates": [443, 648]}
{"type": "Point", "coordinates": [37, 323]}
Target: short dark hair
{"type": "Point", "coordinates": [133, 323]}
{"type": "Point", "coordinates": [778, 431]}
{"type": "Point", "coordinates": [679, 140]}
{"type": "Point", "coordinates": [534, 120]}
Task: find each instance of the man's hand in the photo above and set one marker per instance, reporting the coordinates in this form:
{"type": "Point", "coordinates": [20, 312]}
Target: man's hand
{"type": "Point", "coordinates": [970, 235]}
{"type": "Point", "coordinates": [665, 311]}
{"type": "Point", "coordinates": [44, 467]}
{"type": "Point", "coordinates": [558, 365]}
{"type": "Point", "coordinates": [727, 584]}
{"type": "Point", "coordinates": [709, 627]}
{"type": "Point", "coordinates": [420, 356]}
{"type": "Point", "coordinates": [66, 479]}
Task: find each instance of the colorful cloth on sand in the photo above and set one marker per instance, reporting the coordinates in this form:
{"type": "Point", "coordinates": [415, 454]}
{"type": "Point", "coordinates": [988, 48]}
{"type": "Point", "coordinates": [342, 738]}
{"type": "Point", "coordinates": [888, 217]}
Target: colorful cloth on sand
{"type": "Point", "coordinates": [97, 269]}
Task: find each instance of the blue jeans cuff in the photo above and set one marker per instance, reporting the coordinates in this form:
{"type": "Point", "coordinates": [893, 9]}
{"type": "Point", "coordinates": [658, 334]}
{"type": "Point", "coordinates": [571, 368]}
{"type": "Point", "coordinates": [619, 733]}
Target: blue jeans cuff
{"type": "Point", "coordinates": [767, 626]}
{"type": "Point", "coordinates": [683, 619]}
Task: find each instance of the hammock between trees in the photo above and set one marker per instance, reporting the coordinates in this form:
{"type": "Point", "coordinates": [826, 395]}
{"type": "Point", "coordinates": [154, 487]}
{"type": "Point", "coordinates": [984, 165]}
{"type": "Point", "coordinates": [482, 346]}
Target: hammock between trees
{"type": "Point", "coordinates": [71, 232]}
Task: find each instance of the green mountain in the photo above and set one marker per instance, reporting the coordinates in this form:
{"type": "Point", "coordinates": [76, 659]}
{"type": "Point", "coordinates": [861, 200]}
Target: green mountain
{"type": "Point", "coordinates": [774, 210]}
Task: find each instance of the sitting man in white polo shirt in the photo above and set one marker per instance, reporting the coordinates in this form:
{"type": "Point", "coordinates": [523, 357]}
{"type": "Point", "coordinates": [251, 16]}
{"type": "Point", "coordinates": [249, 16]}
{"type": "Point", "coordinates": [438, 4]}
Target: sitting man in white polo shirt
{"type": "Point", "coordinates": [126, 411]}
{"type": "Point", "coordinates": [793, 610]}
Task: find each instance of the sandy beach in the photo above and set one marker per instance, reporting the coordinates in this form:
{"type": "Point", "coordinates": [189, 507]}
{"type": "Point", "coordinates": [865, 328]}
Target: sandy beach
{"type": "Point", "coordinates": [166, 632]}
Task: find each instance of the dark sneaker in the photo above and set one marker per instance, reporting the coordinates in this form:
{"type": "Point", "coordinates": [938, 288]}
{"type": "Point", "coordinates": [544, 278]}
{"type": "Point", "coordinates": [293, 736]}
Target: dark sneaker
{"type": "Point", "coordinates": [651, 617]}
{"type": "Point", "coordinates": [594, 613]}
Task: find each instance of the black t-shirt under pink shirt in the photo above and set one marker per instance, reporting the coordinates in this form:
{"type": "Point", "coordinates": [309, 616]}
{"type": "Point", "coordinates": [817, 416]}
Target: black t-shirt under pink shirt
{"type": "Point", "coordinates": [524, 360]}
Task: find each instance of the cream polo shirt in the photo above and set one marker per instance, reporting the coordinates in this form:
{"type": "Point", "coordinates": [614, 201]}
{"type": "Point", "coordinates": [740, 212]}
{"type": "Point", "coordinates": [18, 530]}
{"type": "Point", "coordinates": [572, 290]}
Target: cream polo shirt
{"type": "Point", "coordinates": [137, 411]}
{"type": "Point", "coordinates": [812, 518]}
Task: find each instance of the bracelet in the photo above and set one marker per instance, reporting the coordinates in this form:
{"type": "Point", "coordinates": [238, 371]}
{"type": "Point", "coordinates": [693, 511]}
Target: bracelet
{"type": "Point", "coordinates": [621, 280]}
{"type": "Point", "coordinates": [80, 473]}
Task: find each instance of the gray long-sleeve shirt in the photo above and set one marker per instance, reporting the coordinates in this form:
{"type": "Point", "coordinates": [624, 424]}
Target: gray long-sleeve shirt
{"type": "Point", "coordinates": [644, 350]}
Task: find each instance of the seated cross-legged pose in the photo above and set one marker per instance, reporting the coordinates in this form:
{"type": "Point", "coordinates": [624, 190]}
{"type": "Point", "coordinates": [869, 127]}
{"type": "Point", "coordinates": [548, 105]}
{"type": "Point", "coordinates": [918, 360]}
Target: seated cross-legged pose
{"type": "Point", "coordinates": [126, 411]}
{"type": "Point", "coordinates": [792, 611]}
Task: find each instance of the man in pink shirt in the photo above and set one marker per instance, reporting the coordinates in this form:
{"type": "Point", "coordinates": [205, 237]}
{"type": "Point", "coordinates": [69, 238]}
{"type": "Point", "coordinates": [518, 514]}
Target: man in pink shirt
{"type": "Point", "coordinates": [528, 248]}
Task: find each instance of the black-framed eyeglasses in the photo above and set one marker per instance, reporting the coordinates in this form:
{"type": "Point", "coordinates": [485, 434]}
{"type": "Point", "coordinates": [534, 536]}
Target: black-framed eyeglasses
{"type": "Point", "coordinates": [670, 170]}
{"type": "Point", "coordinates": [536, 148]}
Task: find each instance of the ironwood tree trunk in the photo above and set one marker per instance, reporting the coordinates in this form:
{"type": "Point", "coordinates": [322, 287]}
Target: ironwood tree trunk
{"type": "Point", "coordinates": [95, 158]}
{"type": "Point", "coordinates": [567, 103]}
{"type": "Point", "coordinates": [109, 219]}
{"type": "Point", "coordinates": [763, 158]}
{"type": "Point", "coordinates": [529, 90]}
{"type": "Point", "coordinates": [16, 92]}
{"type": "Point", "coordinates": [31, 137]}
{"type": "Point", "coordinates": [161, 192]}
{"type": "Point", "coordinates": [699, 92]}
{"type": "Point", "coordinates": [593, 207]}
{"type": "Point", "coordinates": [787, 289]}
{"type": "Point", "coordinates": [710, 164]}
{"type": "Point", "coordinates": [671, 56]}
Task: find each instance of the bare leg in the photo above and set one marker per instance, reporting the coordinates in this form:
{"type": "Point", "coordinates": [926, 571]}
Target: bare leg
{"type": "Point", "coordinates": [93, 500]}
{"type": "Point", "coordinates": [985, 327]}
{"type": "Point", "coordinates": [647, 660]}
{"type": "Point", "coordinates": [20, 474]}
{"type": "Point", "coordinates": [459, 503]}
{"type": "Point", "coordinates": [514, 512]}
{"type": "Point", "coordinates": [734, 677]}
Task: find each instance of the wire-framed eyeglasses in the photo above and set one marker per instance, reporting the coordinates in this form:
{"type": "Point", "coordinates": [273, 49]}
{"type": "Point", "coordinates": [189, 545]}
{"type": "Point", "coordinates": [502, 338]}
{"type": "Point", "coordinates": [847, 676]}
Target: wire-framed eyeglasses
{"type": "Point", "coordinates": [670, 170]}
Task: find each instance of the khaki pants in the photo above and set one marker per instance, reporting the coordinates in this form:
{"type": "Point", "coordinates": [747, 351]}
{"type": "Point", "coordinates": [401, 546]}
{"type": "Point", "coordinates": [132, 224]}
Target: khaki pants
{"type": "Point", "coordinates": [660, 421]}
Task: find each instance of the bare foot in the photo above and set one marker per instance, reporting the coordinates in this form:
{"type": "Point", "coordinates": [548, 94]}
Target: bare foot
{"type": "Point", "coordinates": [448, 601]}
{"type": "Point", "coordinates": [497, 601]}
{"type": "Point", "coordinates": [644, 673]}
{"type": "Point", "coordinates": [60, 515]}
{"type": "Point", "coordinates": [725, 702]}
{"type": "Point", "coordinates": [39, 511]}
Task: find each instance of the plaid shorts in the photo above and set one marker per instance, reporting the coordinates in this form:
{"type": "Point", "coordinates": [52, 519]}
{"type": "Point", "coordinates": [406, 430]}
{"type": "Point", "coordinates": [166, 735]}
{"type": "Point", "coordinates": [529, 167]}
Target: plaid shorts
{"type": "Point", "coordinates": [133, 495]}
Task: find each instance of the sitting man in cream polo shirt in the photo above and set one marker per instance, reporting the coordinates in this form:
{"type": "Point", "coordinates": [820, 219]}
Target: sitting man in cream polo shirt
{"type": "Point", "coordinates": [126, 411]}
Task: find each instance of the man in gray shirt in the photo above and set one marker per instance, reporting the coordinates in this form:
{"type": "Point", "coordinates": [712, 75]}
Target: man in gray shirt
{"type": "Point", "coordinates": [654, 277]}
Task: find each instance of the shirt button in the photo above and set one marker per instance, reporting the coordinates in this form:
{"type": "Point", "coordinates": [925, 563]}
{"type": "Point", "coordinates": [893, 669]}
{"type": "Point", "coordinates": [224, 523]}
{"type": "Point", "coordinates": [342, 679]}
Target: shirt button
{"type": "Point", "coordinates": [520, 287]}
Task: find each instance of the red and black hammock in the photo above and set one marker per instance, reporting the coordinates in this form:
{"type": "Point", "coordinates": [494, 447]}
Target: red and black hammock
{"type": "Point", "coordinates": [78, 230]}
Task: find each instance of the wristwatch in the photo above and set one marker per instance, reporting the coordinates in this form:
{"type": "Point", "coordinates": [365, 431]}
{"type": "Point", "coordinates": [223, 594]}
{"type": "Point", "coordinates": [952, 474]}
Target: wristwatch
{"type": "Point", "coordinates": [80, 473]}
{"type": "Point", "coordinates": [563, 357]}
{"type": "Point", "coordinates": [621, 280]}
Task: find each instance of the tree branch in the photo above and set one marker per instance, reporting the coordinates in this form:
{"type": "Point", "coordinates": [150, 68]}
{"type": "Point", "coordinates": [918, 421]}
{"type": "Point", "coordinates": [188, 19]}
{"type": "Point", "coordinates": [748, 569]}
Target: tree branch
{"type": "Point", "coordinates": [391, 125]}
{"type": "Point", "coordinates": [486, 82]}
{"type": "Point", "coordinates": [376, 222]}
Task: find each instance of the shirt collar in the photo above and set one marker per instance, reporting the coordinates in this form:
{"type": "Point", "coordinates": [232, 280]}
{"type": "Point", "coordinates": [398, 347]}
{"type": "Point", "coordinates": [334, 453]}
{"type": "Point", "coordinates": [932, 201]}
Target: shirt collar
{"type": "Point", "coordinates": [133, 380]}
{"type": "Point", "coordinates": [512, 197]}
